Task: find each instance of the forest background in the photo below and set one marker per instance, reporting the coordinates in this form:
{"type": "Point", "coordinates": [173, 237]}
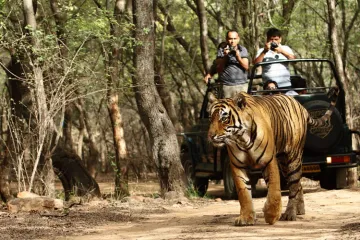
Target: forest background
{"type": "Point", "coordinates": [103, 86]}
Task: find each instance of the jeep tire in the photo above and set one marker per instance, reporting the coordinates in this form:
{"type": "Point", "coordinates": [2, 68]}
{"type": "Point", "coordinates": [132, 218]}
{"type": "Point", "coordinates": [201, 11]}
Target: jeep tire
{"type": "Point", "coordinates": [333, 178]}
{"type": "Point", "coordinates": [200, 185]}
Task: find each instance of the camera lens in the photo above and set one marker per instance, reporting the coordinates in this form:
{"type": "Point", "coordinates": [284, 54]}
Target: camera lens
{"type": "Point", "coordinates": [273, 45]}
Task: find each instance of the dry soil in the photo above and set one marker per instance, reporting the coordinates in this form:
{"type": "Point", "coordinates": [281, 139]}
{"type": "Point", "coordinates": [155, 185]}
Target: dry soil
{"type": "Point", "coordinates": [331, 214]}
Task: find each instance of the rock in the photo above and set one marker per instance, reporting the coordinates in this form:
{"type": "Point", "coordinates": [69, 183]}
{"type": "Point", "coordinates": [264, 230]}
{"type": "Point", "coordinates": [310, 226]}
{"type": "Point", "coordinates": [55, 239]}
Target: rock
{"type": "Point", "coordinates": [26, 194]}
{"type": "Point", "coordinates": [148, 200]}
{"type": "Point", "coordinates": [38, 204]}
{"type": "Point", "coordinates": [158, 200]}
{"type": "Point", "coordinates": [58, 204]}
{"type": "Point", "coordinates": [131, 199]}
{"type": "Point", "coordinates": [138, 198]}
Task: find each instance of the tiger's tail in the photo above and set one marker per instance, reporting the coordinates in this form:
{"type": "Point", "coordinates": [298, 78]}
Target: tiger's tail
{"type": "Point", "coordinates": [325, 119]}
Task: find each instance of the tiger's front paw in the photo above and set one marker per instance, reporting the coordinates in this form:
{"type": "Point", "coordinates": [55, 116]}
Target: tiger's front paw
{"type": "Point", "coordinates": [245, 220]}
{"type": "Point", "coordinates": [272, 211]}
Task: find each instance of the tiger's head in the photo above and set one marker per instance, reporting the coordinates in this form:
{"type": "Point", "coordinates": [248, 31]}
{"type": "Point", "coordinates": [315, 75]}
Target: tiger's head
{"type": "Point", "coordinates": [230, 121]}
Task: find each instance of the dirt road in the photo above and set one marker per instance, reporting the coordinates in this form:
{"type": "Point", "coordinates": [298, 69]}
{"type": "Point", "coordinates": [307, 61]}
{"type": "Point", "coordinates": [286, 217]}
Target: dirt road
{"type": "Point", "coordinates": [329, 215]}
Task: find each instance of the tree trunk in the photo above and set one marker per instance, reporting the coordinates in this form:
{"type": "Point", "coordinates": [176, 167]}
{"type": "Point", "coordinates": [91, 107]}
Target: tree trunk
{"type": "Point", "coordinates": [335, 45]}
{"type": "Point", "coordinates": [60, 21]}
{"type": "Point", "coordinates": [93, 158]}
{"type": "Point", "coordinates": [165, 149]}
{"type": "Point", "coordinates": [67, 127]}
{"type": "Point", "coordinates": [43, 117]}
{"type": "Point", "coordinates": [113, 72]}
{"type": "Point", "coordinates": [201, 12]}
{"type": "Point", "coordinates": [5, 163]}
{"type": "Point", "coordinates": [288, 8]}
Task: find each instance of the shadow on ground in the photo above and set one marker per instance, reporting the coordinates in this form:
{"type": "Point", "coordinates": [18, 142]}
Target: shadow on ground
{"type": "Point", "coordinates": [216, 190]}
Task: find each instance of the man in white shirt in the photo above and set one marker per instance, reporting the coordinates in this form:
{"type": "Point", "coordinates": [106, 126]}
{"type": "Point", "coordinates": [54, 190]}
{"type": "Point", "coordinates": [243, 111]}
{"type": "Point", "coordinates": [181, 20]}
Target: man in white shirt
{"type": "Point", "coordinates": [272, 51]}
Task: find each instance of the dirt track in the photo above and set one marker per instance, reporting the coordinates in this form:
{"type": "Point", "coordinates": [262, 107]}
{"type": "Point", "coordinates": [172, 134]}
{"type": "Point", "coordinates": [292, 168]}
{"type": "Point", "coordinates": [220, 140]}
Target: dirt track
{"type": "Point", "coordinates": [329, 215]}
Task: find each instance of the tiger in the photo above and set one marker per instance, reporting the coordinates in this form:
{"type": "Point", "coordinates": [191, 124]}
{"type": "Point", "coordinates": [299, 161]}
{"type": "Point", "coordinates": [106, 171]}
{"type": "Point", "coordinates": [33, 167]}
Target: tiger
{"type": "Point", "coordinates": [265, 132]}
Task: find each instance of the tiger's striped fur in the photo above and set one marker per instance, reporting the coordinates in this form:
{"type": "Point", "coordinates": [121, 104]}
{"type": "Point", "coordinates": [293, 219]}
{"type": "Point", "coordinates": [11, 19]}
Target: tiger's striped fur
{"type": "Point", "coordinates": [265, 132]}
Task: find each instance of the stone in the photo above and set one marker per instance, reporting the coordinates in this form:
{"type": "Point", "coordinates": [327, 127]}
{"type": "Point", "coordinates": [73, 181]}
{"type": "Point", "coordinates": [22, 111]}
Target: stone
{"type": "Point", "coordinates": [37, 204]}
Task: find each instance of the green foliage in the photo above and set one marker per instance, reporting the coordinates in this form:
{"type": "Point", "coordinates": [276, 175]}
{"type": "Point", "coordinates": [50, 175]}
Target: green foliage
{"type": "Point", "coordinates": [113, 166]}
{"type": "Point", "coordinates": [80, 28]}
{"type": "Point", "coordinates": [191, 192]}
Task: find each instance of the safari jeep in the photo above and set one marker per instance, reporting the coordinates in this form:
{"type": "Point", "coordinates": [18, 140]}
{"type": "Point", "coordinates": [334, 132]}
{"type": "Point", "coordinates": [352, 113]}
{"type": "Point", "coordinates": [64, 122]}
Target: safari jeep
{"type": "Point", "coordinates": [328, 151]}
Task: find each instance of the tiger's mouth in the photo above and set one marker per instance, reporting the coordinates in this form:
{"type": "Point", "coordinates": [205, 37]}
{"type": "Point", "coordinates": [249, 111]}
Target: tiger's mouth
{"type": "Point", "coordinates": [218, 144]}
{"type": "Point", "coordinates": [218, 141]}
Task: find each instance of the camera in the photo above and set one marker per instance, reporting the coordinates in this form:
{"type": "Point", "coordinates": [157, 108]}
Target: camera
{"type": "Point", "coordinates": [273, 45]}
{"type": "Point", "coordinates": [232, 49]}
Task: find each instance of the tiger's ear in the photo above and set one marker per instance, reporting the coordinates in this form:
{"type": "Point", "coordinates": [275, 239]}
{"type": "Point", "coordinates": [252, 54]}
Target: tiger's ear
{"type": "Point", "coordinates": [211, 97]}
{"type": "Point", "coordinates": [239, 100]}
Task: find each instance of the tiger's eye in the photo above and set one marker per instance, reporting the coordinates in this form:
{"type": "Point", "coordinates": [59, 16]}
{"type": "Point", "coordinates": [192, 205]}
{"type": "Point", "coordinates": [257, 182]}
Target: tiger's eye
{"type": "Point", "coordinates": [224, 119]}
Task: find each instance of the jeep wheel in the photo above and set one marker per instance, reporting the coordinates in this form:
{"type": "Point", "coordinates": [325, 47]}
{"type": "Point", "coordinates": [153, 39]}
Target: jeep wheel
{"type": "Point", "coordinates": [322, 139]}
{"type": "Point", "coordinates": [200, 185]}
{"type": "Point", "coordinates": [328, 179]}
{"type": "Point", "coordinates": [333, 178]}
{"type": "Point", "coordinates": [229, 185]}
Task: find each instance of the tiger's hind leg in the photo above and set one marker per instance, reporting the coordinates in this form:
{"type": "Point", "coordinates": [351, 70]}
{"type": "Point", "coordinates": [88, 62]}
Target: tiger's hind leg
{"type": "Point", "coordinates": [300, 207]}
{"type": "Point", "coordinates": [295, 204]}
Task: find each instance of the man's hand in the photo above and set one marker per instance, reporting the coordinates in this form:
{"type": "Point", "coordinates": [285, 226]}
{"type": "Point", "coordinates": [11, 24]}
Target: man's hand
{"type": "Point", "coordinates": [279, 50]}
{"type": "Point", "coordinates": [207, 78]}
{"type": "Point", "coordinates": [288, 55]}
{"type": "Point", "coordinates": [244, 62]}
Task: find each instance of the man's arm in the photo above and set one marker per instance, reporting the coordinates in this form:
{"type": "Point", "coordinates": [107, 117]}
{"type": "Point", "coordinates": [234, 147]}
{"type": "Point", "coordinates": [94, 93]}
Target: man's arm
{"type": "Point", "coordinates": [287, 54]}
{"type": "Point", "coordinates": [244, 62]}
{"type": "Point", "coordinates": [260, 57]}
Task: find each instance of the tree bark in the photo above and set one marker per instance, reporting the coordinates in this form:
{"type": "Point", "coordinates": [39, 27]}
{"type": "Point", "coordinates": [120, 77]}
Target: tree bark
{"type": "Point", "coordinates": [201, 13]}
{"type": "Point", "coordinates": [165, 149]}
{"type": "Point", "coordinates": [121, 183]}
{"type": "Point", "coordinates": [93, 157]}
{"type": "Point", "coordinates": [5, 163]}
{"type": "Point", "coordinates": [288, 8]}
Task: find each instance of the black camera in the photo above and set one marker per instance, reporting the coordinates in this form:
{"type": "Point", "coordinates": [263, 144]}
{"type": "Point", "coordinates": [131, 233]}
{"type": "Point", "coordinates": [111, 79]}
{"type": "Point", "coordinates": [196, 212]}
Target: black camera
{"type": "Point", "coordinates": [273, 45]}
